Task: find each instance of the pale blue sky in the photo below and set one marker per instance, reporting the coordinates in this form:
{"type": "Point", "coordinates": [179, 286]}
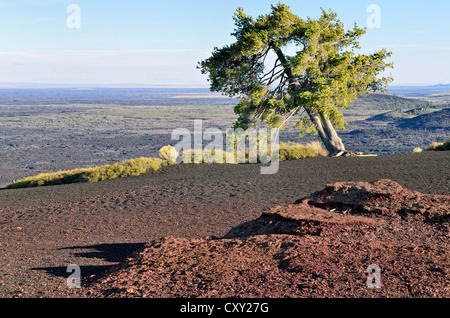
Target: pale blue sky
{"type": "Point", "coordinates": [160, 42]}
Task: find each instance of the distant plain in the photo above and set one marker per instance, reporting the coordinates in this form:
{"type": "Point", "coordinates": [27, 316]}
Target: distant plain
{"type": "Point", "coordinates": [51, 129]}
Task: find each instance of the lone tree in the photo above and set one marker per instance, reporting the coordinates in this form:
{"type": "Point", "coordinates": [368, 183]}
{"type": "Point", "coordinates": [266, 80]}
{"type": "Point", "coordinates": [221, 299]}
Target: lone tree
{"type": "Point", "coordinates": [315, 83]}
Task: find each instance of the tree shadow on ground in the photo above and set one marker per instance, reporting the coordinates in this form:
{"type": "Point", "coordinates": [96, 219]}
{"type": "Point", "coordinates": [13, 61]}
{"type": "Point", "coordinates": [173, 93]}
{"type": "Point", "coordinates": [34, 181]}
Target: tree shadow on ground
{"type": "Point", "coordinates": [111, 253]}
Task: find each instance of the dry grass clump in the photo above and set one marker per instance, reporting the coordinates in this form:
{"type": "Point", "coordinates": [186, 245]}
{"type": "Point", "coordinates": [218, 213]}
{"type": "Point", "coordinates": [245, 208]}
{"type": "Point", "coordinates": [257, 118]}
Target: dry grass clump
{"type": "Point", "coordinates": [443, 146]}
{"type": "Point", "coordinates": [205, 156]}
{"type": "Point", "coordinates": [167, 156]}
{"type": "Point", "coordinates": [52, 178]}
{"type": "Point", "coordinates": [293, 151]}
{"type": "Point", "coordinates": [133, 167]}
{"type": "Point", "coordinates": [287, 151]}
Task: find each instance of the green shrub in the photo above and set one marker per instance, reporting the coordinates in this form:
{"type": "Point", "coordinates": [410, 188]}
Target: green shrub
{"type": "Point", "coordinates": [213, 156]}
{"type": "Point", "coordinates": [293, 151]}
{"type": "Point", "coordinates": [288, 151]}
{"type": "Point", "coordinates": [53, 178]}
{"type": "Point", "coordinates": [136, 167]}
{"type": "Point", "coordinates": [444, 146]}
{"type": "Point", "coordinates": [168, 154]}
{"type": "Point", "coordinates": [133, 167]}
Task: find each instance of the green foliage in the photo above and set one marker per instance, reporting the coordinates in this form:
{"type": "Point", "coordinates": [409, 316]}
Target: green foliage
{"type": "Point", "coordinates": [323, 77]}
{"type": "Point", "coordinates": [444, 146]}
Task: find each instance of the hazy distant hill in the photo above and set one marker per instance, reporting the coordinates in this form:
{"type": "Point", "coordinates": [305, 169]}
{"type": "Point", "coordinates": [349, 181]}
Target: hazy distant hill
{"type": "Point", "coordinates": [400, 114]}
{"type": "Point", "coordinates": [378, 101]}
{"type": "Point", "coordinates": [391, 116]}
{"type": "Point", "coordinates": [435, 120]}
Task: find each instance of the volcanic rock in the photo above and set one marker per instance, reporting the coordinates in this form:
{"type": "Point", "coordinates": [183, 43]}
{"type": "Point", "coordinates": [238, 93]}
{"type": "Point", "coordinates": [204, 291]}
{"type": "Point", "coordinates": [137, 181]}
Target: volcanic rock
{"type": "Point", "coordinates": [322, 246]}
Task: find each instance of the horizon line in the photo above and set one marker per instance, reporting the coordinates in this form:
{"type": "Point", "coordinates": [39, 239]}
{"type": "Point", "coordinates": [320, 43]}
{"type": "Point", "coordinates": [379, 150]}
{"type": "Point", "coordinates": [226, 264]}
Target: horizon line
{"type": "Point", "coordinates": [95, 85]}
{"type": "Point", "coordinates": [144, 85]}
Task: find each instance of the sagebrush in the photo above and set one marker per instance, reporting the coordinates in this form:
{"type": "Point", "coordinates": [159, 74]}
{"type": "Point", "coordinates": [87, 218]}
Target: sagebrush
{"type": "Point", "coordinates": [167, 156]}
{"type": "Point", "coordinates": [133, 167]}
{"type": "Point", "coordinates": [443, 146]}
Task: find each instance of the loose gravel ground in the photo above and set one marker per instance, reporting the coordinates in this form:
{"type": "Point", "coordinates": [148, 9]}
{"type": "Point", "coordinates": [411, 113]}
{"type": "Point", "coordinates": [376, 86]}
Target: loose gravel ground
{"type": "Point", "coordinates": [96, 226]}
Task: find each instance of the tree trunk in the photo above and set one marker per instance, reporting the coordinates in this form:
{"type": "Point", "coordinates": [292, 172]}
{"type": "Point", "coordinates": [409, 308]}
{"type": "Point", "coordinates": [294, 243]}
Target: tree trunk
{"type": "Point", "coordinates": [323, 125]}
{"type": "Point", "coordinates": [332, 142]}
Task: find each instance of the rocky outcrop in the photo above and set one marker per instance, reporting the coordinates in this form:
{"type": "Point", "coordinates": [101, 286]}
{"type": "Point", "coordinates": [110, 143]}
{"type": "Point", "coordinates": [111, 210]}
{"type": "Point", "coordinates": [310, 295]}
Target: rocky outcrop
{"type": "Point", "coordinates": [383, 197]}
{"type": "Point", "coordinates": [322, 246]}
